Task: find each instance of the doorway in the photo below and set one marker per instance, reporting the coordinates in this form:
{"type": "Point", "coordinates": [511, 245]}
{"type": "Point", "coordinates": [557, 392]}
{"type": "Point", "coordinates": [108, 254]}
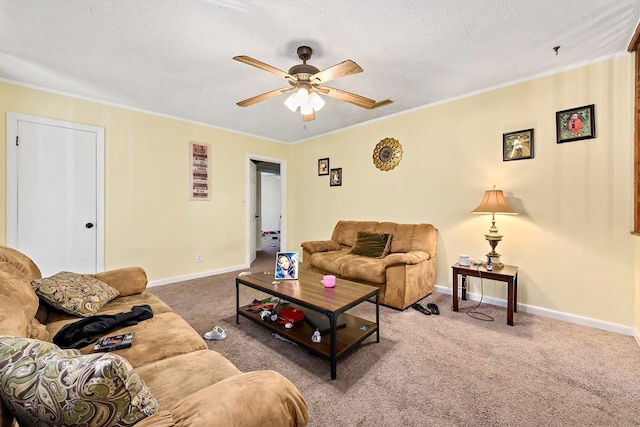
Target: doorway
{"type": "Point", "coordinates": [266, 197]}
{"type": "Point", "coordinates": [270, 202]}
{"type": "Point", "coordinates": [55, 193]}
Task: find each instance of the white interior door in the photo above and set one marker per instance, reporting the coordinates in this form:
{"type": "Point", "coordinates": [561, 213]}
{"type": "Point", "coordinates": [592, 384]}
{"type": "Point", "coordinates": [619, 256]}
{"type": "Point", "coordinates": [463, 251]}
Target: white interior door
{"type": "Point", "coordinates": [253, 216]}
{"type": "Point", "coordinates": [259, 219]}
{"type": "Point", "coordinates": [55, 202]}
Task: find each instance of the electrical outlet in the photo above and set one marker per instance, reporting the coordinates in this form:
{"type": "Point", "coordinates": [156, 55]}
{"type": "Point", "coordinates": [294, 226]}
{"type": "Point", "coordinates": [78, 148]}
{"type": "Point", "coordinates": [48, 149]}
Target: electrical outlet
{"type": "Point", "coordinates": [198, 257]}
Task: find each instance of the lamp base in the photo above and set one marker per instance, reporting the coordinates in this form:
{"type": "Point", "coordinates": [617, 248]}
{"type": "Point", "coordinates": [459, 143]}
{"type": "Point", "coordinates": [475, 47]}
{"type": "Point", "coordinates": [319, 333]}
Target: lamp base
{"type": "Point", "coordinates": [495, 261]}
{"type": "Point", "coordinates": [494, 266]}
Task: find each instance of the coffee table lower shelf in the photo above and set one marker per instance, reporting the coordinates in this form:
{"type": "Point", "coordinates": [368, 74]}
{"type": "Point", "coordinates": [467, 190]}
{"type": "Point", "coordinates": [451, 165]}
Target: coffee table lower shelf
{"type": "Point", "coordinates": [348, 337]}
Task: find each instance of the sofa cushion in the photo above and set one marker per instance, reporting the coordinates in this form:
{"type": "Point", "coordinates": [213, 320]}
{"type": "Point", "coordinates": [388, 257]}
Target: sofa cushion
{"type": "Point", "coordinates": [349, 266]}
{"type": "Point", "coordinates": [12, 318]}
{"type": "Point", "coordinates": [411, 237]}
{"type": "Point", "coordinates": [15, 285]}
{"type": "Point", "coordinates": [373, 245]}
{"type": "Point", "coordinates": [128, 280]}
{"type": "Point", "coordinates": [39, 331]}
{"type": "Point", "coordinates": [364, 269]}
{"type": "Point", "coordinates": [168, 384]}
{"type": "Point", "coordinates": [164, 335]}
{"type": "Point", "coordinates": [331, 262]}
{"type": "Point", "coordinates": [44, 385]}
{"type": "Point", "coordinates": [115, 306]}
{"type": "Point", "coordinates": [78, 294]}
{"type": "Point", "coordinates": [258, 398]}
{"type": "Point", "coordinates": [25, 265]}
{"type": "Point", "coordinates": [346, 232]}
{"type": "Point", "coordinates": [321, 246]}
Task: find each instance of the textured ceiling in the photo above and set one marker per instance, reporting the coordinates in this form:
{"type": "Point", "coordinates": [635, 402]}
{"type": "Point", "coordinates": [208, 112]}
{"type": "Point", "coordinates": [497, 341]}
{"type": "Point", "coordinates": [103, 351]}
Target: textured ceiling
{"type": "Point", "coordinates": [174, 57]}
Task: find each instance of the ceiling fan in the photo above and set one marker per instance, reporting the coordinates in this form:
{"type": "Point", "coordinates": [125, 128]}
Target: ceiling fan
{"type": "Point", "coordinates": [307, 83]}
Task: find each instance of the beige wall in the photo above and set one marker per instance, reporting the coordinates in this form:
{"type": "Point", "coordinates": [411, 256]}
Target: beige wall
{"type": "Point", "coordinates": [572, 238]}
{"type": "Point", "coordinates": [149, 218]}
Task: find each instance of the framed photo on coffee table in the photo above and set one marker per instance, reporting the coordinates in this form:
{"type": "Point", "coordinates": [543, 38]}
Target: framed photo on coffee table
{"type": "Point", "coordinates": [286, 266]}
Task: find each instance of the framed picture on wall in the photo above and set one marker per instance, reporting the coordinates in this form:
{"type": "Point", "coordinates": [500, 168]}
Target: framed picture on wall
{"type": "Point", "coordinates": [517, 145]}
{"type": "Point", "coordinates": [335, 178]}
{"type": "Point", "coordinates": [575, 124]}
{"type": "Point", "coordinates": [199, 171]}
{"type": "Point", "coordinates": [323, 166]}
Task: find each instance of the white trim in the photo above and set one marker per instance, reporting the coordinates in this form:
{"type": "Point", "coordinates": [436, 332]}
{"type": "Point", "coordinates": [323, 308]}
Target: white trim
{"type": "Point", "coordinates": [202, 274]}
{"type": "Point", "coordinates": [247, 204]}
{"type": "Point", "coordinates": [466, 95]}
{"type": "Point", "coordinates": [138, 110]}
{"type": "Point", "coordinates": [356, 125]}
{"type": "Point", "coordinates": [12, 177]}
{"type": "Point", "coordinates": [571, 318]}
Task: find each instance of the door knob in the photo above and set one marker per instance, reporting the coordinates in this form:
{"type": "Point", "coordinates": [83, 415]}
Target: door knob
{"type": "Point", "coordinates": [88, 225]}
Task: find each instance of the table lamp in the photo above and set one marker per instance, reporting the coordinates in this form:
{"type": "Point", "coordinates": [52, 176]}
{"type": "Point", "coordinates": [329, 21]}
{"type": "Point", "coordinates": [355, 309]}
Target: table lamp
{"type": "Point", "coordinates": [493, 203]}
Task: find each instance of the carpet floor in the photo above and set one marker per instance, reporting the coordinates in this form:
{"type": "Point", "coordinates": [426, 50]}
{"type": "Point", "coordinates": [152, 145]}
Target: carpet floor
{"type": "Point", "coordinates": [447, 370]}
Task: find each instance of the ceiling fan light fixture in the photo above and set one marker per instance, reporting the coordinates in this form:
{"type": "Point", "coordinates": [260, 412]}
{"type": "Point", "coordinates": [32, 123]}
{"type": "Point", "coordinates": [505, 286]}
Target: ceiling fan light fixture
{"type": "Point", "coordinates": [302, 97]}
{"type": "Point", "coordinates": [291, 102]}
{"type": "Point", "coordinates": [306, 83]}
{"type": "Point", "coordinates": [306, 109]}
{"type": "Point", "coordinates": [316, 101]}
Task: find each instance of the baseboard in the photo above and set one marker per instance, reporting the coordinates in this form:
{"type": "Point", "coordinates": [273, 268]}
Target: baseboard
{"type": "Point", "coordinates": [571, 318]}
{"type": "Point", "coordinates": [195, 275]}
{"type": "Point", "coordinates": [525, 308]}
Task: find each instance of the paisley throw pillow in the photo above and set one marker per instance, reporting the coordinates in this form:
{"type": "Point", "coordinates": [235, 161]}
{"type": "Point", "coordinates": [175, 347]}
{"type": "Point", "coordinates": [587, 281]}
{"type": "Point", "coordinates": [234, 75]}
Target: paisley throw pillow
{"type": "Point", "coordinates": [77, 294]}
{"type": "Point", "coordinates": [42, 384]}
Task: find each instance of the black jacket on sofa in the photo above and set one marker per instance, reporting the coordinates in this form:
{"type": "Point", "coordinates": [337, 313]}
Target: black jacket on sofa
{"type": "Point", "coordinates": [86, 331]}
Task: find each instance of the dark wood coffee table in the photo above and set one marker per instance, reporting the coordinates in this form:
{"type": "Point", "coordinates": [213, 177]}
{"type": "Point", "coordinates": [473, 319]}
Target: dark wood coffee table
{"type": "Point", "coordinates": [309, 294]}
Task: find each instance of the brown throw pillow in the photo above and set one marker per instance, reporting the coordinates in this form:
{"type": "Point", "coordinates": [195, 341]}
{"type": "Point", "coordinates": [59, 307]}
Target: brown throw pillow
{"type": "Point", "coordinates": [371, 245]}
{"type": "Point", "coordinates": [78, 294]}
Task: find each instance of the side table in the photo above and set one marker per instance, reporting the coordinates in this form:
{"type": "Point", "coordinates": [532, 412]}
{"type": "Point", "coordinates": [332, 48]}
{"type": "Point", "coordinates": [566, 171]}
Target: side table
{"type": "Point", "coordinates": [508, 274]}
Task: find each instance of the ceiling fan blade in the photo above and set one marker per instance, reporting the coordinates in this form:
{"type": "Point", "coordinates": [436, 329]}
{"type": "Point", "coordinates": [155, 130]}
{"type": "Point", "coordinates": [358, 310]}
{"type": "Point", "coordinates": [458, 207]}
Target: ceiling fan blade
{"type": "Point", "coordinates": [343, 69]}
{"type": "Point", "coordinates": [309, 117]}
{"type": "Point", "coordinates": [255, 99]}
{"type": "Point", "coordinates": [266, 67]}
{"type": "Point", "coordinates": [382, 103]}
{"type": "Point", "coordinates": [349, 97]}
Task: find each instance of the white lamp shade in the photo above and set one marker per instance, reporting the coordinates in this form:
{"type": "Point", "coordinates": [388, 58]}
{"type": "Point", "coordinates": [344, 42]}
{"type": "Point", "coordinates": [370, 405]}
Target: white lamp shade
{"type": "Point", "coordinates": [316, 101]}
{"type": "Point", "coordinates": [302, 97]}
{"type": "Point", "coordinates": [306, 109]}
{"type": "Point", "coordinates": [291, 102]}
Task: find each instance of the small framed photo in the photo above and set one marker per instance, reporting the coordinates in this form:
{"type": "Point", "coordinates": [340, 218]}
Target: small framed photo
{"type": "Point", "coordinates": [517, 145]}
{"type": "Point", "coordinates": [286, 266]}
{"type": "Point", "coordinates": [323, 166]}
{"type": "Point", "coordinates": [576, 123]}
{"type": "Point", "coordinates": [335, 178]}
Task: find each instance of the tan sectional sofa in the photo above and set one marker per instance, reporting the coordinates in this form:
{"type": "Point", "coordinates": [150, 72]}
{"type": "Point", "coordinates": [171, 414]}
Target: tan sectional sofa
{"type": "Point", "coordinates": [405, 275]}
{"type": "Point", "coordinates": [167, 377]}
